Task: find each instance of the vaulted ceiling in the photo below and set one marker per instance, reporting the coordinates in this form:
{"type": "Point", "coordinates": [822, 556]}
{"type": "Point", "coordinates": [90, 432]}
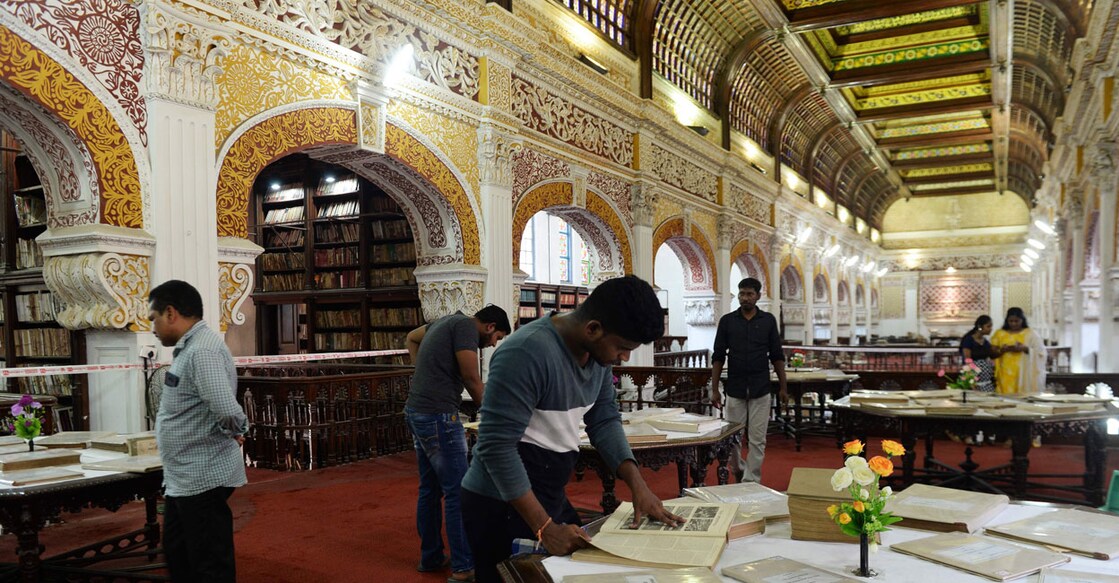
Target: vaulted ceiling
{"type": "Point", "coordinates": [869, 100]}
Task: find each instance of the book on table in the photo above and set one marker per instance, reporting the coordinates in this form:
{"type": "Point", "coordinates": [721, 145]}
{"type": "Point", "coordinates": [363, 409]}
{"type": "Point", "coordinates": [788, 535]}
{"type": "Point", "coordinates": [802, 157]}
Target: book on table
{"type": "Point", "coordinates": [1084, 532]}
{"type": "Point", "coordinates": [687, 423]}
{"type": "Point", "coordinates": [34, 476]}
{"type": "Point", "coordinates": [136, 464]}
{"type": "Point", "coordinates": [12, 440]}
{"type": "Point", "coordinates": [752, 499]}
{"type": "Point", "coordinates": [948, 407]}
{"type": "Point", "coordinates": [984, 556]}
{"type": "Point", "coordinates": [744, 523]}
{"type": "Point", "coordinates": [877, 397]}
{"type": "Point", "coordinates": [1068, 576]}
{"type": "Point", "coordinates": [781, 570]}
{"type": "Point", "coordinates": [643, 415]}
{"type": "Point", "coordinates": [1050, 408]}
{"type": "Point", "coordinates": [697, 542]}
{"type": "Point", "coordinates": [40, 458]}
{"type": "Point", "coordinates": [131, 443]}
{"type": "Point", "coordinates": [810, 494]}
{"type": "Point", "coordinates": [945, 509]}
{"type": "Point", "coordinates": [72, 439]}
{"type": "Point", "coordinates": [692, 575]}
{"type": "Point", "coordinates": [643, 433]}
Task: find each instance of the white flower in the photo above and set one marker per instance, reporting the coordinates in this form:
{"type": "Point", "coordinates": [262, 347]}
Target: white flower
{"type": "Point", "coordinates": [854, 462]}
{"type": "Point", "coordinates": [873, 547]}
{"type": "Point", "coordinates": [887, 492]}
{"type": "Point", "coordinates": [841, 479]}
{"type": "Point", "coordinates": [864, 475]}
{"type": "Point", "coordinates": [863, 494]}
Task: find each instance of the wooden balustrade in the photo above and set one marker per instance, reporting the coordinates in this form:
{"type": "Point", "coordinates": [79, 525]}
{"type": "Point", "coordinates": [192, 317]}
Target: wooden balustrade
{"type": "Point", "coordinates": [669, 343]}
{"type": "Point", "coordinates": [902, 358]}
{"type": "Point", "coordinates": [683, 359]}
{"type": "Point", "coordinates": [927, 380]}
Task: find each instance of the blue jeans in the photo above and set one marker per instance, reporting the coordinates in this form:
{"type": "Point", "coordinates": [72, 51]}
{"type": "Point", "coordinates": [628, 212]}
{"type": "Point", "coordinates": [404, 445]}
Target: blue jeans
{"type": "Point", "coordinates": [440, 443]}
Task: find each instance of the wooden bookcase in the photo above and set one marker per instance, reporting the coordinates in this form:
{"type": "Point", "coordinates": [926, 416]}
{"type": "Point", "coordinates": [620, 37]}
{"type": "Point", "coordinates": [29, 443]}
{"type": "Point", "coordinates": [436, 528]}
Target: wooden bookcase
{"type": "Point", "coordinates": [538, 299]}
{"type": "Point", "coordinates": [337, 269]}
{"type": "Point", "coordinates": [29, 334]}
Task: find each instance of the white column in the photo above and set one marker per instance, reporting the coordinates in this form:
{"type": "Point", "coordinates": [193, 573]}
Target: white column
{"type": "Point", "coordinates": [723, 298]}
{"type": "Point", "coordinates": [1105, 180]}
{"type": "Point", "coordinates": [495, 155]}
{"type": "Point", "coordinates": [854, 316]}
{"type": "Point", "coordinates": [1076, 234]}
{"type": "Point", "coordinates": [997, 285]}
{"type": "Point", "coordinates": [809, 299]}
{"type": "Point", "coordinates": [643, 202]}
{"type": "Point", "coordinates": [775, 251]}
{"type": "Point", "coordinates": [833, 293]}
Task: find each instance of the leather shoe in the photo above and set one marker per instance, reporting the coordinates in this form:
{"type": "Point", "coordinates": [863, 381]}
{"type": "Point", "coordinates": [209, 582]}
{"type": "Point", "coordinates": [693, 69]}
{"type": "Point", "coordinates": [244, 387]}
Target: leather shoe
{"type": "Point", "coordinates": [446, 562]}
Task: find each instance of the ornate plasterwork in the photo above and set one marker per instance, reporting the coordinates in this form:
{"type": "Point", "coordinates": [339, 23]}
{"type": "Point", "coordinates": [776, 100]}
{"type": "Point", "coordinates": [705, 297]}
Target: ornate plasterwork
{"type": "Point", "coordinates": [753, 207]}
{"type": "Point", "coordinates": [700, 311]}
{"type": "Point", "coordinates": [495, 156]}
{"type": "Point", "coordinates": [693, 251]}
{"type": "Point", "coordinates": [235, 281]}
{"type": "Point", "coordinates": [100, 290]}
{"type": "Point", "coordinates": [943, 262]}
{"type": "Point", "coordinates": [953, 241]}
{"type": "Point", "coordinates": [454, 137]}
{"type": "Point", "coordinates": [365, 28]}
{"type": "Point", "coordinates": [682, 174]}
{"type": "Point", "coordinates": [666, 206]}
{"type": "Point", "coordinates": [253, 81]}
{"type": "Point", "coordinates": [446, 289]}
{"type": "Point", "coordinates": [183, 51]}
{"type": "Point", "coordinates": [614, 189]}
{"type": "Point", "coordinates": [551, 115]}
{"type": "Point", "coordinates": [531, 167]}
{"type": "Point", "coordinates": [950, 297]}
{"type": "Point", "coordinates": [38, 77]}
{"type": "Point", "coordinates": [597, 222]}
{"type": "Point", "coordinates": [101, 37]}
{"type": "Point", "coordinates": [646, 210]}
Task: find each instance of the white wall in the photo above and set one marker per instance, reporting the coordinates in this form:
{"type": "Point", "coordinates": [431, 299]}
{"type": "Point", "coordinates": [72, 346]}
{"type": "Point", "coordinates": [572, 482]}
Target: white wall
{"type": "Point", "coordinates": [668, 275]}
{"type": "Point", "coordinates": [546, 269]}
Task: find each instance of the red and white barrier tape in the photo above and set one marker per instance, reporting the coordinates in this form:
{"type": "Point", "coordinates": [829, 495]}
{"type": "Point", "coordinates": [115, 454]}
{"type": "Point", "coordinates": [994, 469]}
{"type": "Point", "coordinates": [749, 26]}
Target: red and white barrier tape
{"type": "Point", "coordinates": [37, 371]}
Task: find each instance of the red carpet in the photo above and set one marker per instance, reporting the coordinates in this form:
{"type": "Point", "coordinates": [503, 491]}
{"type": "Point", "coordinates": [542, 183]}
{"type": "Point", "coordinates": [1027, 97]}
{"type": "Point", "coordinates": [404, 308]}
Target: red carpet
{"type": "Point", "coordinates": [356, 522]}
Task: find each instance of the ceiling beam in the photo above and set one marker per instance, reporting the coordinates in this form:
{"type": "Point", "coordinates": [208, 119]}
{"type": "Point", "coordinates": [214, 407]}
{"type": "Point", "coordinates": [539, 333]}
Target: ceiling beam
{"type": "Point", "coordinates": [922, 109]}
{"type": "Point", "coordinates": [942, 161]}
{"type": "Point", "coordinates": [937, 139]}
{"type": "Point", "coordinates": [642, 26]}
{"type": "Point", "coordinates": [724, 81]}
{"type": "Point", "coordinates": [853, 11]}
{"type": "Point", "coordinates": [814, 149]}
{"type": "Point", "coordinates": [949, 178]}
{"type": "Point", "coordinates": [777, 124]}
{"type": "Point", "coordinates": [954, 191]}
{"type": "Point", "coordinates": [854, 197]}
{"type": "Point", "coordinates": [909, 72]}
{"type": "Point", "coordinates": [918, 28]}
{"type": "Point", "coordinates": [839, 168]}
{"type": "Point", "coordinates": [1001, 37]}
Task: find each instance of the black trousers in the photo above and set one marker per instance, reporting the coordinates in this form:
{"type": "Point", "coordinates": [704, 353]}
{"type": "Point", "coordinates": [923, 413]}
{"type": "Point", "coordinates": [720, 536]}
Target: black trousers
{"type": "Point", "coordinates": [198, 537]}
{"type": "Point", "coordinates": [491, 524]}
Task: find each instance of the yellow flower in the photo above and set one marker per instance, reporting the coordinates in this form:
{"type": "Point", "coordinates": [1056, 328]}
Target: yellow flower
{"type": "Point", "coordinates": [853, 447]}
{"type": "Point", "coordinates": [859, 506]}
{"type": "Point", "coordinates": [844, 518]}
{"type": "Point", "coordinates": [881, 466]}
{"type": "Point", "coordinates": [833, 510]}
{"type": "Point", "coordinates": [892, 448]}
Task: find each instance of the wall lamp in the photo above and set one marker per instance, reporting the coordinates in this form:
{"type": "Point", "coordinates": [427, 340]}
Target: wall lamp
{"type": "Point", "coordinates": [701, 130]}
{"type": "Point", "coordinates": [590, 62]}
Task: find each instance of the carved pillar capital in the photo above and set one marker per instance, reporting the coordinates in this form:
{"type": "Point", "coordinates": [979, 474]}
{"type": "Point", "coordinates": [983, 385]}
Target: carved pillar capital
{"type": "Point", "coordinates": [446, 289]}
{"type": "Point", "coordinates": [701, 310]}
{"type": "Point", "coordinates": [727, 228]}
{"type": "Point", "coordinates": [183, 50]}
{"type": "Point", "coordinates": [1103, 165]}
{"type": "Point", "coordinates": [643, 203]}
{"type": "Point", "coordinates": [495, 155]}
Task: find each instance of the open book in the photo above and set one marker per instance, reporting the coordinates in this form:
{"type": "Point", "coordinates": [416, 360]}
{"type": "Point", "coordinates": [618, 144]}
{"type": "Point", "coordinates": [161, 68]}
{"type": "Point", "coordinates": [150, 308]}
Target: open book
{"type": "Point", "coordinates": [695, 575]}
{"type": "Point", "coordinates": [752, 499]}
{"type": "Point", "coordinates": [643, 415]}
{"type": "Point", "coordinates": [698, 542]}
{"type": "Point", "coordinates": [983, 556]}
{"type": "Point", "coordinates": [945, 509]}
{"type": "Point", "coordinates": [1094, 534]}
{"type": "Point", "coordinates": [687, 423]}
{"type": "Point", "coordinates": [781, 570]}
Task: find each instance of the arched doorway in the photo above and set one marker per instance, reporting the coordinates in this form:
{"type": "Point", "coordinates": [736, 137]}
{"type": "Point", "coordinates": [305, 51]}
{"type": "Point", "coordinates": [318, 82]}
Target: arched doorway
{"type": "Point", "coordinates": [683, 267]}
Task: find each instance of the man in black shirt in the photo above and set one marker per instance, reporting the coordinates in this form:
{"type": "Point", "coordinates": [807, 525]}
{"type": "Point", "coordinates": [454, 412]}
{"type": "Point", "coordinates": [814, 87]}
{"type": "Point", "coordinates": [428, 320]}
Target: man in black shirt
{"type": "Point", "coordinates": [751, 337]}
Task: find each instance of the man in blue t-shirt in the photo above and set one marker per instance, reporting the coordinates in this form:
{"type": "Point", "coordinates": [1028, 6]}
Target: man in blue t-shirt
{"type": "Point", "coordinates": [549, 376]}
{"type": "Point", "coordinates": [445, 353]}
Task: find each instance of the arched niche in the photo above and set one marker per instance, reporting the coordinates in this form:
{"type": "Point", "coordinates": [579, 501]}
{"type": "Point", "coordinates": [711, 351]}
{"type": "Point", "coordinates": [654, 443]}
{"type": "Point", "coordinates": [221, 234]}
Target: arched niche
{"type": "Point", "coordinates": [694, 252]}
{"type": "Point", "coordinates": [821, 292]}
{"type": "Point", "coordinates": [751, 262]}
{"type": "Point", "coordinates": [792, 285]}
{"type": "Point", "coordinates": [842, 293]}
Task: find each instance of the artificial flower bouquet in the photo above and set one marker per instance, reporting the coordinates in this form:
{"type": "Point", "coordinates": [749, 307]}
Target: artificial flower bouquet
{"type": "Point", "coordinates": [796, 359]}
{"type": "Point", "coordinates": [864, 514]}
{"type": "Point", "coordinates": [966, 380]}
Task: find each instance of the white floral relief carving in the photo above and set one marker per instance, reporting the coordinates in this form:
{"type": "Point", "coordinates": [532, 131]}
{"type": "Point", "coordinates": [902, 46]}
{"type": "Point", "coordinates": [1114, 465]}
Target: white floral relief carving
{"type": "Point", "coordinates": [604, 244]}
{"type": "Point", "coordinates": [941, 263]}
{"type": "Point", "coordinates": [699, 312]}
{"type": "Point", "coordinates": [432, 219]}
{"type": "Point", "coordinates": [616, 191]}
{"type": "Point", "coordinates": [235, 281]}
{"type": "Point", "coordinates": [531, 167]}
{"type": "Point", "coordinates": [183, 53]}
{"type": "Point", "coordinates": [442, 298]}
{"type": "Point", "coordinates": [751, 206]}
{"type": "Point", "coordinates": [682, 174]}
{"type": "Point", "coordinates": [551, 115]}
{"type": "Point", "coordinates": [364, 28]}
{"type": "Point", "coordinates": [100, 290]}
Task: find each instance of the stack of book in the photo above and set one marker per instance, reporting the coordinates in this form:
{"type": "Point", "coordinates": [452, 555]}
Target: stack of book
{"type": "Point", "coordinates": [41, 458]}
{"type": "Point", "coordinates": [137, 464]}
{"type": "Point", "coordinates": [130, 443]}
{"type": "Point", "coordinates": [687, 423]}
{"type": "Point", "coordinates": [31, 477]}
{"type": "Point", "coordinates": [945, 509]}
{"type": "Point", "coordinates": [72, 439]}
{"type": "Point", "coordinates": [810, 494]}
{"type": "Point", "coordinates": [877, 397]}
{"type": "Point", "coordinates": [643, 433]}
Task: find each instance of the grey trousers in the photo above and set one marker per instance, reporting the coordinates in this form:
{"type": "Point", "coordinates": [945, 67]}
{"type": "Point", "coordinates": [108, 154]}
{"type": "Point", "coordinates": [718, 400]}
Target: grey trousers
{"type": "Point", "coordinates": [754, 413]}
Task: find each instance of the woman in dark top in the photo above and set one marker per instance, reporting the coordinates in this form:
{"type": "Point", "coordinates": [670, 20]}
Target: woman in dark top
{"type": "Point", "coordinates": [975, 346]}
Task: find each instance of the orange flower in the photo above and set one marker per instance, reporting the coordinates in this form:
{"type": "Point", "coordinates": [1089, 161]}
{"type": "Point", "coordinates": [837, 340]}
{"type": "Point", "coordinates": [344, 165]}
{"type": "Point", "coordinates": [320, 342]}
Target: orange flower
{"type": "Point", "coordinates": [844, 518]}
{"type": "Point", "coordinates": [892, 448]}
{"type": "Point", "coordinates": [881, 466]}
{"type": "Point", "coordinates": [853, 447]}
{"type": "Point", "coordinates": [833, 510]}
{"type": "Point", "coordinates": [859, 506]}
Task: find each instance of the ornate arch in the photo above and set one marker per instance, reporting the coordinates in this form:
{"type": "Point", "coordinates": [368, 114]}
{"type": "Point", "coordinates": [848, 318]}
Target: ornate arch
{"type": "Point", "coordinates": [597, 223]}
{"type": "Point", "coordinates": [693, 250]}
{"type": "Point", "coordinates": [820, 281]}
{"type": "Point", "coordinates": [751, 260]}
{"type": "Point", "coordinates": [42, 80]}
{"type": "Point", "coordinates": [280, 132]}
{"type": "Point", "coordinates": [792, 284]}
{"type": "Point", "coordinates": [842, 293]}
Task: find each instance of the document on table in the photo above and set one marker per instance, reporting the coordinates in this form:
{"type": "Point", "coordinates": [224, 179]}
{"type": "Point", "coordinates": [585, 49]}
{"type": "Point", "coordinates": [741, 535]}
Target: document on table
{"type": "Point", "coordinates": [697, 542]}
{"type": "Point", "coordinates": [986, 557]}
{"type": "Point", "coordinates": [782, 570]}
{"type": "Point", "coordinates": [1089, 533]}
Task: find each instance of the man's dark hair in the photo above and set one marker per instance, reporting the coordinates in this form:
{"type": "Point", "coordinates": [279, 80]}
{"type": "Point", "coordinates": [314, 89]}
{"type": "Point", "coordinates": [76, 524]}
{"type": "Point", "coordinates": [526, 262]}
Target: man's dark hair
{"type": "Point", "coordinates": [751, 283]}
{"type": "Point", "coordinates": [182, 295]}
{"type": "Point", "coordinates": [626, 306]}
{"type": "Point", "coordinates": [492, 314]}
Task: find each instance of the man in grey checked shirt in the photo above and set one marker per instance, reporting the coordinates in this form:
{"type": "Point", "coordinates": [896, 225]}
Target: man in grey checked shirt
{"type": "Point", "coordinates": [200, 429]}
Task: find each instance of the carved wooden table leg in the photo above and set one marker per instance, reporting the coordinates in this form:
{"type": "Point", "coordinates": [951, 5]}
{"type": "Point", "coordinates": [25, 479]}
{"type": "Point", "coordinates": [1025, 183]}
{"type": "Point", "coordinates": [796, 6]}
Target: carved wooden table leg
{"type": "Point", "coordinates": [151, 526]}
{"type": "Point", "coordinates": [909, 442]}
{"type": "Point", "coordinates": [1020, 461]}
{"type": "Point", "coordinates": [609, 499]}
{"type": "Point", "coordinates": [1095, 461]}
{"type": "Point", "coordinates": [28, 548]}
{"type": "Point", "coordinates": [722, 453]}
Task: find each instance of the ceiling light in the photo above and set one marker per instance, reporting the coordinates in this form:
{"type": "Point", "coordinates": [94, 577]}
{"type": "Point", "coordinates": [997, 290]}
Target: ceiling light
{"type": "Point", "coordinates": [329, 179]}
{"type": "Point", "coordinates": [950, 269]}
{"type": "Point", "coordinates": [1025, 267]}
{"type": "Point", "coordinates": [1027, 260]}
{"type": "Point", "coordinates": [832, 250]}
{"type": "Point", "coordinates": [1045, 227]}
{"type": "Point", "coordinates": [804, 235]}
{"type": "Point", "coordinates": [1032, 253]}
{"type": "Point", "coordinates": [850, 261]}
{"type": "Point", "coordinates": [882, 272]}
{"type": "Point", "coordinates": [399, 65]}
{"type": "Point", "coordinates": [868, 267]}
{"type": "Point", "coordinates": [590, 62]}
{"type": "Point", "coordinates": [275, 186]}
{"type": "Point", "coordinates": [701, 130]}
{"type": "Point", "coordinates": [1035, 243]}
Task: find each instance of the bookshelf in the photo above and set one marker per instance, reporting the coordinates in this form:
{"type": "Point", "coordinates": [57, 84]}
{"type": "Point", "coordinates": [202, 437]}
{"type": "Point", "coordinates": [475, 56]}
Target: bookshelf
{"type": "Point", "coordinates": [538, 299]}
{"type": "Point", "coordinates": [337, 271]}
{"type": "Point", "coordinates": [29, 332]}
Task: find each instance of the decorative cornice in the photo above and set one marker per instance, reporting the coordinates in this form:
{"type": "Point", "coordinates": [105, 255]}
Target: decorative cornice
{"type": "Point", "coordinates": [446, 289]}
{"type": "Point", "coordinates": [183, 49]}
{"type": "Point", "coordinates": [96, 238]}
{"type": "Point", "coordinates": [237, 250]}
{"type": "Point", "coordinates": [100, 290]}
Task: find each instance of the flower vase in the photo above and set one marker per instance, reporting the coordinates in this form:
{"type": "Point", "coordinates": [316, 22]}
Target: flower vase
{"type": "Point", "coordinates": [31, 444]}
{"type": "Point", "coordinates": [965, 395]}
{"type": "Point", "coordinates": [864, 558]}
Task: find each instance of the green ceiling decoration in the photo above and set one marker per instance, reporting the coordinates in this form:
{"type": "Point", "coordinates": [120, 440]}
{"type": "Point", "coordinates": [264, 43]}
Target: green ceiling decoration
{"type": "Point", "coordinates": [912, 54]}
{"type": "Point", "coordinates": [921, 153]}
{"type": "Point", "coordinates": [908, 20]}
{"type": "Point", "coordinates": [935, 128]}
{"type": "Point", "coordinates": [947, 170]}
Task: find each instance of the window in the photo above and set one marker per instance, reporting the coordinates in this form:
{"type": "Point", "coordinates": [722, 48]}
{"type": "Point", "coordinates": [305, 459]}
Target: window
{"type": "Point", "coordinates": [528, 249]}
{"type": "Point", "coordinates": [564, 251]}
{"type": "Point", "coordinates": [610, 17]}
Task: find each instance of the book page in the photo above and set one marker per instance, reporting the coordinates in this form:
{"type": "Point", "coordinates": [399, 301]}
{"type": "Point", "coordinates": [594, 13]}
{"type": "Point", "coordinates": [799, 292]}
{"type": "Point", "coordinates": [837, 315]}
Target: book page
{"type": "Point", "coordinates": [1064, 576]}
{"type": "Point", "coordinates": [690, 551]}
{"type": "Point", "coordinates": [975, 553]}
{"type": "Point", "coordinates": [782, 570]}
{"type": "Point", "coordinates": [695, 575]}
{"type": "Point", "coordinates": [701, 519]}
{"type": "Point", "coordinates": [946, 506]}
{"type": "Point", "coordinates": [752, 498]}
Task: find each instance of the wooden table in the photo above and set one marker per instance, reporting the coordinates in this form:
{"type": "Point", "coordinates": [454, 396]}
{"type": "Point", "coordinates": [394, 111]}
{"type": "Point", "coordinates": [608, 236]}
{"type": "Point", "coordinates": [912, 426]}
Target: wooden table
{"type": "Point", "coordinates": [24, 511]}
{"type": "Point", "coordinates": [1013, 478]}
{"type": "Point", "coordinates": [790, 419]}
{"type": "Point", "coordinates": [692, 456]}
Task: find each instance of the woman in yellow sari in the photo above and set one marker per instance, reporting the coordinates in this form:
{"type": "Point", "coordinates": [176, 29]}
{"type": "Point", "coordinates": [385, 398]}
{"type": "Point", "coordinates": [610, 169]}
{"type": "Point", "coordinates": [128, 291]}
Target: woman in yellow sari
{"type": "Point", "coordinates": [1020, 366]}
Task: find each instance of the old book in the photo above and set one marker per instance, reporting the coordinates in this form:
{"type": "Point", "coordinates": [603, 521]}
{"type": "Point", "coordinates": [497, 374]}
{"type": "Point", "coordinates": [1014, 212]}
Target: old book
{"type": "Point", "coordinates": [12, 440]}
{"type": "Point", "coordinates": [1068, 398]}
{"type": "Point", "coordinates": [643, 433]}
{"type": "Point", "coordinates": [752, 499]}
{"type": "Point", "coordinates": [39, 458]}
{"type": "Point", "coordinates": [1066, 576]}
{"type": "Point", "coordinates": [885, 397]}
{"type": "Point", "coordinates": [138, 464]}
{"type": "Point", "coordinates": [1094, 534]}
{"type": "Point", "coordinates": [781, 570]}
{"type": "Point", "coordinates": [932, 394]}
{"type": "Point", "coordinates": [37, 476]}
{"type": "Point", "coordinates": [687, 423]}
{"type": "Point", "coordinates": [810, 494]}
{"type": "Point", "coordinates": [131, 443]}
{"type": "Point", "coordinates": [745, 524]}
{"type": "Point", "coordinates": [945, 509]}
{"type": "Point", "coordinates": [1050, 408]}
{"type": "Point", "coordinates": [948, 407]}
{"type": "Point", "coordinates": [71, 439]}
{"type": "Point", "coordinates": [693, 575]}
{"type": "Point", "coordinates": [697, 542]}
{"type": "Point", "coordinates": [643, 415]}
{"type": "Point", "coordinates": [14, 448]}
{"type": "Point", "coordinates": [984, 556]}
